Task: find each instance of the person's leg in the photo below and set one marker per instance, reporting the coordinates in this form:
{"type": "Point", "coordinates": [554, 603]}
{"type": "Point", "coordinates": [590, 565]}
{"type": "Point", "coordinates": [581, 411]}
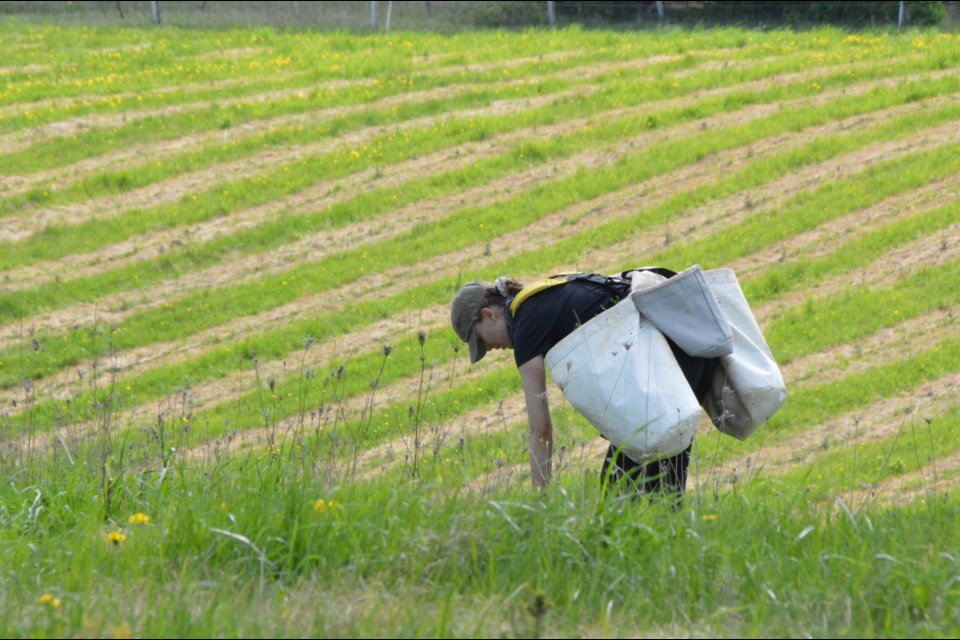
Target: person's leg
{"type": "Point", "coordinates": [668, 476]}
{"type": "Point", "coordinates": [619, 472]}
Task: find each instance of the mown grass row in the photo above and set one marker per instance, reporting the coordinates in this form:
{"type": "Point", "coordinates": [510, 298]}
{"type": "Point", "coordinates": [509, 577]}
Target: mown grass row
{"type": "Point", "coordinates": [416, 239]}
{"type": "Point", "coordinates": [241, 144]}
{"type": "Point", "coordinates": [616, 93]}
{"type": "Point", "coordinates": [364, 369]}
{"type": "Point", "coordinates": [135, 62]}
{"type": "Point", "coordinates": [474, 94]}
{"type": "Point", "coordinates": [390, 75]}
{"type": "Point", "coordinates": [115, 533]}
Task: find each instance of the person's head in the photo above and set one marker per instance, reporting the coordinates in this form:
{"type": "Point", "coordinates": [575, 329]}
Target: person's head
{"type": "Point", "coordinates": [478, 315]}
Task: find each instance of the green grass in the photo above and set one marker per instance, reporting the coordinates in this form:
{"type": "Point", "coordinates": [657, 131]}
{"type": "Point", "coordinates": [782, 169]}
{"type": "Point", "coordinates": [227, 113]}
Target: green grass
{"type": "Point", "coordinates": [443, 537]}
{"type": "Point", "coordinates": [255, 542]}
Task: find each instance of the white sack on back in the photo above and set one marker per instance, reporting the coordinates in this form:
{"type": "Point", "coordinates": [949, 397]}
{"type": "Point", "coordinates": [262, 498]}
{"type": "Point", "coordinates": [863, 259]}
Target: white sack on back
{"type": "Point", "coordinates": [684, 309]}
{"type": "Point", "coordinates": [619, 372]}
{"type": "Point", "coordinates": [748, 387]}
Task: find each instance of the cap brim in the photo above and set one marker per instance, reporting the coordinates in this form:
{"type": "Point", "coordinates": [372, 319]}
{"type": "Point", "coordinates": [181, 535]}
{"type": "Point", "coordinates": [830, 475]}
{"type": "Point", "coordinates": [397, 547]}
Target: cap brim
{"type": "Point", "coordinates": [477, 350]}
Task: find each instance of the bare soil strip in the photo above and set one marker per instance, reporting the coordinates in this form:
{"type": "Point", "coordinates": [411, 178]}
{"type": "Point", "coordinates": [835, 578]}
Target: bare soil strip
{"type": "Point", "coordinates": [623, 202]}
{"type": "Point", "coordinates": [633, 199]}
{"type": "Point", "coordinates": [930, 484]}
{"type": "Point", "coordinates": [825, 239]}
{"type": "Point", "coordinates": [62, 102]}
{"type": "Point", "coordinates": [23, 225]}
{"type": "Point", "coordinates": [255, 267]}
{"type": "Point", "coordinates": [168, 190]}
{"type": "Point", "coordinates": [21, 140]}
{"type": "Point", "coordinates": [938, 249]}
{"type": "Point", "coordinates": [879, 421]}
{"type": "Point", "coordinates": [29, 68]}
{"type": "Point", "coordinates": [20, 226]}
{"type": "Point", "coordinates": [895, 343]}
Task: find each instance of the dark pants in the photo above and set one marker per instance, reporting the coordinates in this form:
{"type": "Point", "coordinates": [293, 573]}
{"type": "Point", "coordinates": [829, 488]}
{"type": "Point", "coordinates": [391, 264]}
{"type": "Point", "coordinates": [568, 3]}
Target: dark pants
{"type": "Point", "coordinates": [667, 476]}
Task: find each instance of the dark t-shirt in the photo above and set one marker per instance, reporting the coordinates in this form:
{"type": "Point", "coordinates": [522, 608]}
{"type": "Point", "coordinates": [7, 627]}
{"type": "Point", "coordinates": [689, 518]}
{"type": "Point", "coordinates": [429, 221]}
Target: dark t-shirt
{"type": "Point", "coordinates": [548, 317]}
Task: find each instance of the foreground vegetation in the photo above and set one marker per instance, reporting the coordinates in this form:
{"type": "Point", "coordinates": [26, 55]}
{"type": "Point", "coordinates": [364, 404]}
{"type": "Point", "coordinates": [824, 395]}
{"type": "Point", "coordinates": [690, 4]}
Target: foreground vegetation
{"type": "Point", "coordinates": [232, 404]}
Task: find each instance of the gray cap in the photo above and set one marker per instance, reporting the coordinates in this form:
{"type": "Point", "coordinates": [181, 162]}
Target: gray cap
{"type": "Point", "coordinates": [466, 310]}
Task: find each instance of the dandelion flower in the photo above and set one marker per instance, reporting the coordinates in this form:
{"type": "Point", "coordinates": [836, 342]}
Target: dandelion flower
{"type": "Point", "coordinates": [50, 599]}
{"type": "Point", "coordinates": [139, 518]}
{"type": "Point", "coordinates": [323, 506]}
{"type": "Point", "coordinates": [116, 537]}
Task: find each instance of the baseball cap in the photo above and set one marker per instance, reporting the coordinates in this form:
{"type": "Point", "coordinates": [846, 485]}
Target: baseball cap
{"type": "Point", "coordinates": [464, 314]}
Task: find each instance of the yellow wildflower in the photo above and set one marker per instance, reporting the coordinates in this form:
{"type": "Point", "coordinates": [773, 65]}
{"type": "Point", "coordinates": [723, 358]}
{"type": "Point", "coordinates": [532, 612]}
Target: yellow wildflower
{"type": "Point", "coordinates": [139, 518]}
{"type": "Point", "coordinates": [116, 537]}
{"type": "Point", "coordinates": [322, 506]}
{"type": "Point", "coordinates": [50, 599]}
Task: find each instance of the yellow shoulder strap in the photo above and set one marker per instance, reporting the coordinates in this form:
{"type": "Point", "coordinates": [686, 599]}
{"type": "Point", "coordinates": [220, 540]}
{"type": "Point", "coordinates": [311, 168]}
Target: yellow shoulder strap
{"type": "Point", "coordinates": [532, 289]}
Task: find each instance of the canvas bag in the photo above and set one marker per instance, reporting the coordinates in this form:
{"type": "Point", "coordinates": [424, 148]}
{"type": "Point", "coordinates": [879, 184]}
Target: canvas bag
{"type": "Point", "coordinates": [748, 387]}
{"type": "Point", "coordinates": [686, 310]}
{"type": "Point", "coordinates": [618, 371]}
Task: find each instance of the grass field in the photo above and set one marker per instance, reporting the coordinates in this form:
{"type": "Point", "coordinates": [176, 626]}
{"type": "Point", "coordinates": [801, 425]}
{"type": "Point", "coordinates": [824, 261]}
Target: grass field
{"type": "Point", "coordinates": [231, 403]}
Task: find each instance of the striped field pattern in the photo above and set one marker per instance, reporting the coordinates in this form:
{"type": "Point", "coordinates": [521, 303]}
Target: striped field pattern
{"type": "Point", "coordinates": [231, 403]}
{"type": "Point", "coordinates": [210, 231]}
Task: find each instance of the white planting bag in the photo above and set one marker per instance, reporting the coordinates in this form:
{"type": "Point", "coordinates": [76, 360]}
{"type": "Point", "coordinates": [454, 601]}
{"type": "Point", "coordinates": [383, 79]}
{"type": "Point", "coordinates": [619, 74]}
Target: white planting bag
{"type": "Point", "coordinates": [748, 387]}
{"type": "Point", "coordinates": [685, 309]}
{"type": "Point", "coordinates": [618, 371]}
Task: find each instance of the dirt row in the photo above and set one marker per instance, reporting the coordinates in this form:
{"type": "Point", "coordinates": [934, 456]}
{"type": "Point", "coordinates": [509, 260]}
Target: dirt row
{"type": "Point", "coordinates": [884, 420]}
{"type": "Point", "coordinates": [65, 128]}
{"type": "Point", "coordinates": [170, 190]}
{"type": "Point", "coordinates": [514, 405]}
{"type": "Point", "coordinates": [894, 276]}
{"type": "Point", "coordinates": [255, 266]}
{"type": "Point", "coordinates": [729, 211]}
{"type": "Point", "coordinates": [20, 226]}
{"type": "Point", "coordinates": [26, 224]}
{"type": "Point", "coordinates": [63, 102]}
{"type": "Point", "coordinates": [933, 250]}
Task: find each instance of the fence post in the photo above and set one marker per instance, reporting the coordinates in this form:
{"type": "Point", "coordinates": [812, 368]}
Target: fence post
{"type": "Point", "coordinates": [373, 14]}
{"type": "Point", "coordinates": [552, 13]}
{"type": "Point", "coordinates": [155, 11]}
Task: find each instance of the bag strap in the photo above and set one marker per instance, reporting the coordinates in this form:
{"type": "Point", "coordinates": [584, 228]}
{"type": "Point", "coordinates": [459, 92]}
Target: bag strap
{"type": "Point", "coordinates": [619, 285]}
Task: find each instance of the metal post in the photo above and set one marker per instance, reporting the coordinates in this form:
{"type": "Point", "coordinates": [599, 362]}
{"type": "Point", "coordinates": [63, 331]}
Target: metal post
{"type": "Point", "coordinates": [660, 10]}
{"type": "Point", "coordinates": [389, 14]}
{"type": "Point", "coordinates": [900, 15]}
{"type": "Point", "coordinates": [373, 14]}
{"type": "Point", "coordinates": [155, 12]}
{"type": "Point", "coordinates": [552, 13]}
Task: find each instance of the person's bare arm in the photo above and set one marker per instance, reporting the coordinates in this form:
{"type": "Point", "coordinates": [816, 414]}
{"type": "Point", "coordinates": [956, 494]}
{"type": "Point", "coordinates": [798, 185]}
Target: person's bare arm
{"type": "Point", "coordinates": [534, 377]}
